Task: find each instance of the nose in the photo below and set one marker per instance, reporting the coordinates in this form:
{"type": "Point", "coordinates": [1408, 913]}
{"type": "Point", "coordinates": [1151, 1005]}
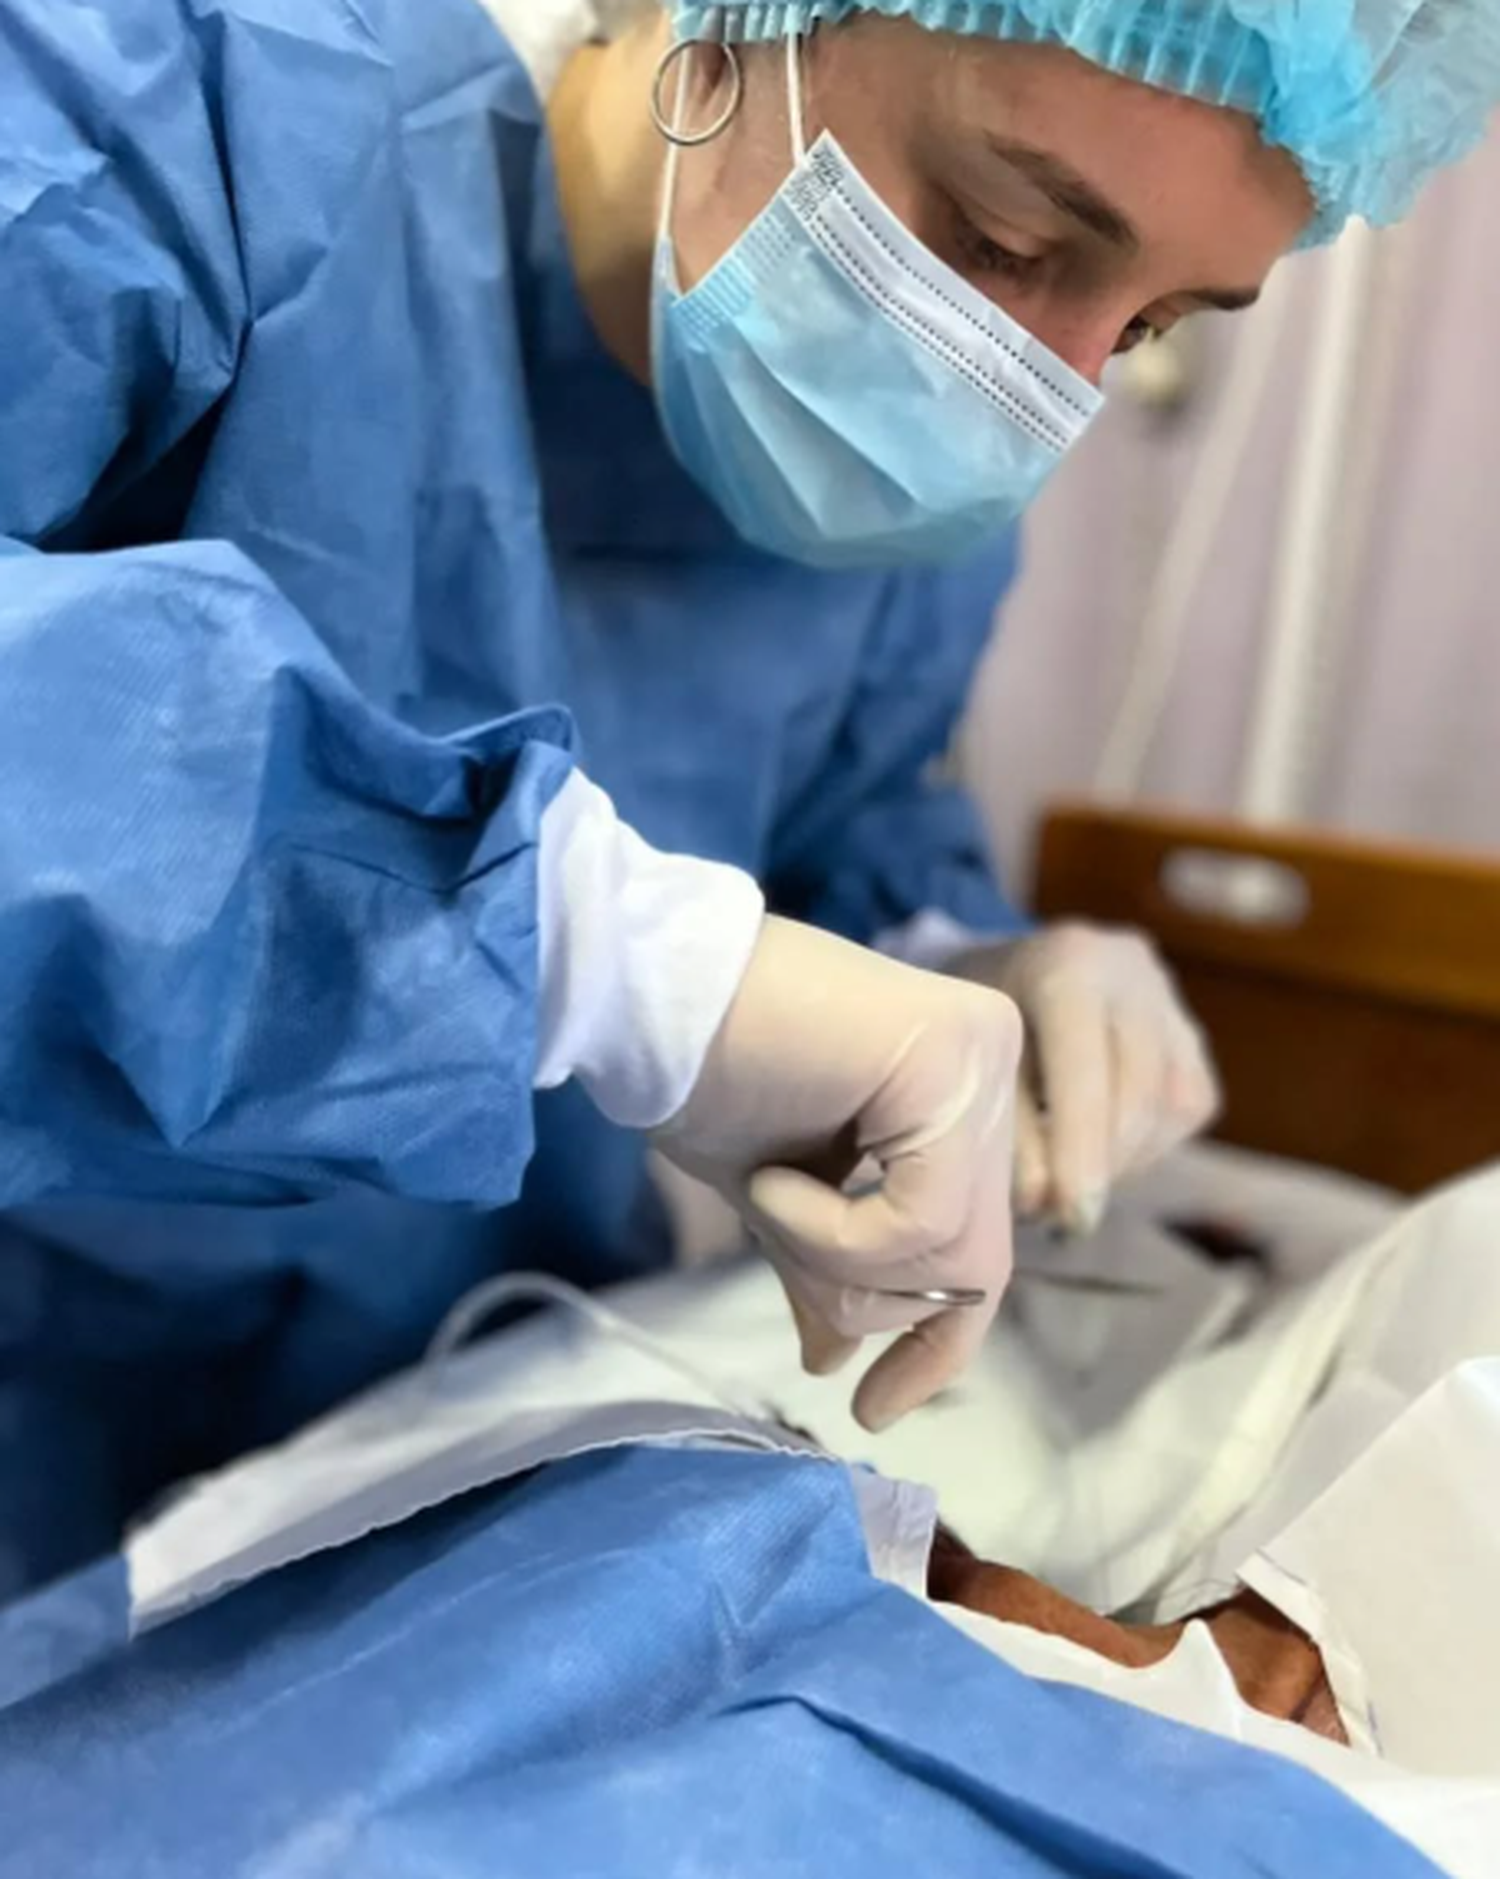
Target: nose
{"type": "Point", "coordinates": [1085, 339]}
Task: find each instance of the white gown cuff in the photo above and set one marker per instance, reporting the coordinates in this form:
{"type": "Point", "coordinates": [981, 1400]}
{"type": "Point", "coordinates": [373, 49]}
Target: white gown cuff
{"type": "Point", "coordinates": [641, 954]}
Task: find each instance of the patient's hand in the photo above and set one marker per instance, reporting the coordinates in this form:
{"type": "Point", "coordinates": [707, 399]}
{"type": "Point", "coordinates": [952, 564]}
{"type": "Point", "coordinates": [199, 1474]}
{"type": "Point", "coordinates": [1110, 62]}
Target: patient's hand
{"type": "Point", "coordinates": [1277, 1668]}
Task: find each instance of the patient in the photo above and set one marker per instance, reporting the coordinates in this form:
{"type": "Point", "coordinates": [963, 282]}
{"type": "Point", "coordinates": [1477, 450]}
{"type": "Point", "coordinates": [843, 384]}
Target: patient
{"type": "Point", "coordinates": [1276, 1668]}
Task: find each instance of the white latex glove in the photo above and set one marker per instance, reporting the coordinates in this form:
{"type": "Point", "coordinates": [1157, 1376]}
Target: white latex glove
{"type": "Point", "coordinates": [1116, 1075]}
{"type": "Point", "coordinates": [831, 1056]}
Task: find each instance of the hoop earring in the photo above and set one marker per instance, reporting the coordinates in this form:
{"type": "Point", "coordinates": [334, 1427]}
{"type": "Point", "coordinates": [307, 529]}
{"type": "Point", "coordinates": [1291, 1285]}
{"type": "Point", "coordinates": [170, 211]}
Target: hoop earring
{"type": "Point", "coordinates": [694, 140]}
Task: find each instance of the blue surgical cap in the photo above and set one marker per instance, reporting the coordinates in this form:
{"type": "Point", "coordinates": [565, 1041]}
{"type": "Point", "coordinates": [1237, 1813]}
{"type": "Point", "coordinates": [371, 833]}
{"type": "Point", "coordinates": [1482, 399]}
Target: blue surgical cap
{"type": "Point", "coordinates": [1369, 96]}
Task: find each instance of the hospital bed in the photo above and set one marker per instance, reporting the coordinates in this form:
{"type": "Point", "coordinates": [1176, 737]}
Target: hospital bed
{"type": "Point", "coordinates": [1351, 989]}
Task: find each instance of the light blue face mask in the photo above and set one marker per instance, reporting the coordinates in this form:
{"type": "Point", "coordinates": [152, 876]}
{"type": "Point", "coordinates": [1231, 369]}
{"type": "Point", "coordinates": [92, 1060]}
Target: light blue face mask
{"type": "Point", "coordinates": [845, 398]}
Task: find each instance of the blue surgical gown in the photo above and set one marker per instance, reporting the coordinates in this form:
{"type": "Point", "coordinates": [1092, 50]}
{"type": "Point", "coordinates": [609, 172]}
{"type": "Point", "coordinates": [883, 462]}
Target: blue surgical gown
{"type": "Point", "coordinates": [318, 496]}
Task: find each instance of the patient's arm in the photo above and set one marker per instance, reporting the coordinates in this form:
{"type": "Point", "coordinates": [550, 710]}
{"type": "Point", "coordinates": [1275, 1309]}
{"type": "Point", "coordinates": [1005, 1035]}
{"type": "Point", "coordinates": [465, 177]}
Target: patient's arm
{"type": "Point", "coordinates": [1277, 1668]}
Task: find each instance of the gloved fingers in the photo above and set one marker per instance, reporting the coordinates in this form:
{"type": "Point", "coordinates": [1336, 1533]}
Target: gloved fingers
{"type": "Point", "coordinates": [1070, 1030]}
{"type": "Point", "coordinates": [915, 1368]}
{"type": "Point", "coordinates": [848, 1314]}
{"type": "Point", "coordinates": [1194, 1092]}
{"type": "Point", "coordinates": [917, 1227]}
{"type": "Point", "coordinates": [1033, 1179]}
{"type": "Point", "coordinates": [859, 1241]}
{"type": "Point", "coordinates": [1189, 1098]}
{"type": "Point", "coordinates": [940, 1218]}
{"type": "Point", "coordinates": [934, 1352]}
{"type": "Point", "coordinates": [1140, 1076]}
{"type": "Point", "coordinates": [824, 1351]}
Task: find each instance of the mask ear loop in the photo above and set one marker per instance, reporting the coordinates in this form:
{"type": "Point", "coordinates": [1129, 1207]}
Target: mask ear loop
{"type": "Point", "coordinates": [674, 145]}
{"type": "Point", "coordinates": [795, 106]}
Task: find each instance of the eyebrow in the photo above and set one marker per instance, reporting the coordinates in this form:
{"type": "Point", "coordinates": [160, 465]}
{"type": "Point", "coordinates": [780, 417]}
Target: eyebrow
{"type": "Point", "coordinates": [1066, 190]}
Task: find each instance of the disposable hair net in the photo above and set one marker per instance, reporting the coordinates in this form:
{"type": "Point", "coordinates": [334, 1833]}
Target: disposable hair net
{"type": "Point", "coordinates": [1369, 96]}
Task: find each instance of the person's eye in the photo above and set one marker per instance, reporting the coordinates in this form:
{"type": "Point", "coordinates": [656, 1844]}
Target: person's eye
{"type": "Point", "coordinates": [984, 255]}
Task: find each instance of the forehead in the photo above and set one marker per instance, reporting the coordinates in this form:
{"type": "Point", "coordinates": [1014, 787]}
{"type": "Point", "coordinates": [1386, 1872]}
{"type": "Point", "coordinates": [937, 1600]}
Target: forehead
{"type": "Point", "coordinates": [1179, 170]}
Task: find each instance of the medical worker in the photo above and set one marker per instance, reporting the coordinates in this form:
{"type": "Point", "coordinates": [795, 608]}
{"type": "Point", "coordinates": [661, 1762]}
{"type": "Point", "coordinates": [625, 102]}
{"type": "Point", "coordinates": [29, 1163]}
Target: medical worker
{"type": "Point", "coordinates": [493, 499]}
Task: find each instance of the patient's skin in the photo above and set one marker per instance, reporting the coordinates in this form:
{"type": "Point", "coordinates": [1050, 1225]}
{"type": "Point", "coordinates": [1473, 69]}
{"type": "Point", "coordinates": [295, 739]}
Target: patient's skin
{"type": "Point", "coordinates": [1277, 1669]}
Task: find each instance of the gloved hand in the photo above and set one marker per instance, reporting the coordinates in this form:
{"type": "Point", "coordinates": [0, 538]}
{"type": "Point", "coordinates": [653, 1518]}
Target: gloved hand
{"type": "Point", "coordinates": [1116, 1072]}
{"type": "Point", "coordinates": [831, 1056]}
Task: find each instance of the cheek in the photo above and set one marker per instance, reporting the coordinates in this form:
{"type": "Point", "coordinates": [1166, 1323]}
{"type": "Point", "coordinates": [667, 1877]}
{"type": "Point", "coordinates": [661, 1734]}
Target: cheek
{"type": "Point", "coordinates": [704, 222]}
{"type": "Point", "coordinates": [721, 189]}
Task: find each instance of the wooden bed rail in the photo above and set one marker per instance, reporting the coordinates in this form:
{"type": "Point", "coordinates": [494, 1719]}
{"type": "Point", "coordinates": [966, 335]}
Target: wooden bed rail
{"type": "Point", "coordinates": [1351, 988]}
